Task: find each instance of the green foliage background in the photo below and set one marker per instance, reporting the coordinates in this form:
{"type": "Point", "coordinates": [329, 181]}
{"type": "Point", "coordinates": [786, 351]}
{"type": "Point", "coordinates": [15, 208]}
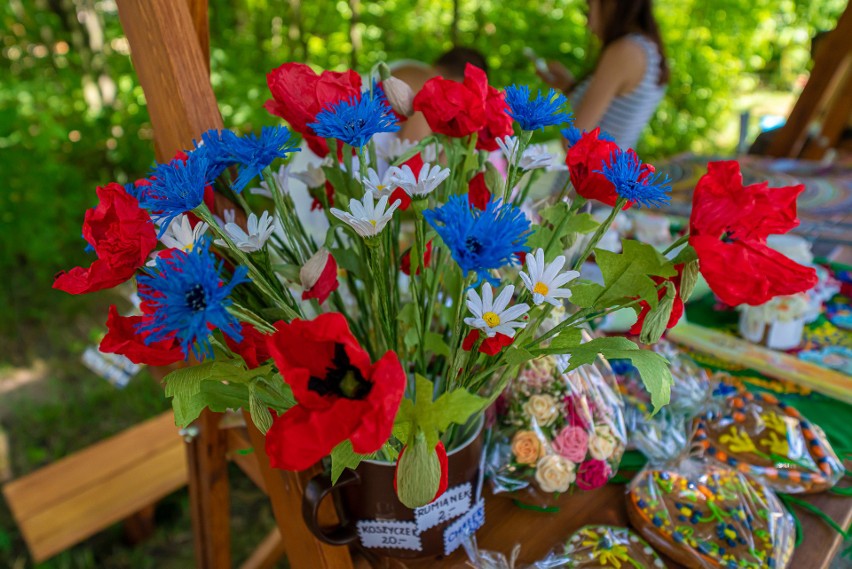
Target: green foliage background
{"type": "Point", "coordinates": [73, 116]}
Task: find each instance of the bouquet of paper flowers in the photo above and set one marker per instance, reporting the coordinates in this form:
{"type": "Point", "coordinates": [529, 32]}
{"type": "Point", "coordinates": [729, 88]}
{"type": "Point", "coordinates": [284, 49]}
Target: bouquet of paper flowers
{"type": "Point", "coordinates": [390, 334]}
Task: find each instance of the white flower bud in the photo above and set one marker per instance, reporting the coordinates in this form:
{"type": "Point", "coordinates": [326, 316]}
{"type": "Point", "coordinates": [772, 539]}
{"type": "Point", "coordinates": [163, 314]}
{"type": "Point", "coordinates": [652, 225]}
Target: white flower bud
{"type": "Point", "coordinates": [400, 96]}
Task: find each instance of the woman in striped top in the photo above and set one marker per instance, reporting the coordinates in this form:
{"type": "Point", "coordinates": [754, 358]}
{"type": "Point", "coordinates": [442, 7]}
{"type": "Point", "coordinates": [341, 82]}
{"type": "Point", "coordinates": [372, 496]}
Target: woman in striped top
{"type": "Point", "coordinates": [630, 78]}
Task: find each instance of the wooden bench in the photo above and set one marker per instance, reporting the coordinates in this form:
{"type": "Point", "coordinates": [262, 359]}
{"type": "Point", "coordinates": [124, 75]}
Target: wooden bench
{"type": "Point", "coordinates": [70, 500]}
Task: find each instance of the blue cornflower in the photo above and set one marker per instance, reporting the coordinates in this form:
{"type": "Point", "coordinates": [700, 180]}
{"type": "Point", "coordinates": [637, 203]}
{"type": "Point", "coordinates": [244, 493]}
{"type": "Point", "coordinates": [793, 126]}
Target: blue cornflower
{"type": "Point", "coordinates": [603, 135]}
{"type": "Point", "coordinates": [356, 121]}
{"type": "Point", "coordinates": [250, 152]}
{"type": "Point", "coordinates": [176, 187]}
{"type": "Point", "coordinates": [635, 183]}
{"type": "Point", "coordinates": [478, 240]}
{"type": "Point", "coordinates": [536, 113]}
{"type": "Point", "coordinates": [189, 299]}
{"type": "Point", "coordinates": [572, 134]}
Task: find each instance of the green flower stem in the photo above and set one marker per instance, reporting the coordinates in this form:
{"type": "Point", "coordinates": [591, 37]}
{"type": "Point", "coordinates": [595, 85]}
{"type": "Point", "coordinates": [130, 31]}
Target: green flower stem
{"type": "Point", "coordinates": [362, 165]}
{"type": "Point", "coordinates": [522, 197]}
{"type": "Point", "coordinates": [385, 320]}
{"type": "Point", "coordinates": [602, 229]}
{"type": "Point", "coordinates": [512, 174]}
{"type": "Point", "coordinates": [680, 241]}
{"type": "Point", "coordinates": [286, 211]}
{"type": "Point", "coordinates": [452, 379]}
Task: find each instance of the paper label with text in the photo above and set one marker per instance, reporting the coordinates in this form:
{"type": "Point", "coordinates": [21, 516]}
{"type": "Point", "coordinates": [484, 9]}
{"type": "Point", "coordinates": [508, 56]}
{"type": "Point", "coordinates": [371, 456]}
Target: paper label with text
{"type": "Point", "coordinates": [463, 527]}
{"type": "Point", "coordinates": [389, 534]}
{"type": "Point", "coordinates": [452, 503]}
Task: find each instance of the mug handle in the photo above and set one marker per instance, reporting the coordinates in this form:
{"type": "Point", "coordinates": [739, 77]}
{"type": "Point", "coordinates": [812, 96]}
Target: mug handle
{"type": "Point", "coordinates": [316, 490]}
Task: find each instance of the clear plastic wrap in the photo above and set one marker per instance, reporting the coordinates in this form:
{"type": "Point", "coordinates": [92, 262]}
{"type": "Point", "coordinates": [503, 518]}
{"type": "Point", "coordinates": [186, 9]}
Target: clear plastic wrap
{"type": "Point", "coordinates": [556, 431]}
{"type": "Point", "coordinates": [707, 516]}
{"type": "Point", "coordinates": [593, 547]}
{"type": "Point", "coordinates": [771, 442]}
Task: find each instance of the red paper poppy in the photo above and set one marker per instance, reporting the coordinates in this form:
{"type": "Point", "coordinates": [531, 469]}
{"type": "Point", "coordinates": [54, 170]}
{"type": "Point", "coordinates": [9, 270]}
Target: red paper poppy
{"type": "Point", "coordinates": [585, 158]}
{"type": "Point", "coordinates": [319, 276]}
{"type": "Point", "coordinates": [728, 229]}
{"type": "Point", "coordinates": [452, 108]}
{"type": "Point", "coordinates": [677, 307]}
{"type": "Point", "coordinates": [405, 261]}
{"type": "Point", "coordinates": [299, 95]}
{"type": "Point", "coordinates": [490, 346]}
{"type": "Point", "coordinates": [122, 338]}
{"type": "Point", "coordinates": [498, 123]}
{"type": "Point", "coordinates": [340, 395]}
{"type": "Point", "coordinates": [441, 451]}
{"type": "Point", "coordinates": [252, 348]}
{"type": "Point", "coordinates": [478, 194]}
{"type": "Point", "coordinates": [122, 236]}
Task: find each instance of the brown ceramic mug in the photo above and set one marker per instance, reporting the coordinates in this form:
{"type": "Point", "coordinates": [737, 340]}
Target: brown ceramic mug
{"type": "Point", "coordinates": [373, 517]}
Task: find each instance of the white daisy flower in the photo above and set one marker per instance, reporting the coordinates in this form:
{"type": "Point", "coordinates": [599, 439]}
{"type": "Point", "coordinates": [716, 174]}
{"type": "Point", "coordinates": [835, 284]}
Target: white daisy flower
{"type": "Point", "coordinates": [535, 156]}
{"type": "Point", "coordinates": [491, 315]}
{"type": "Point", "coordinates": [395, 148]}
{"type": "Point", "coordinates": [259, 230]}
{"type": "Point", "coordinates": [313, 177]}
{"type": "Point", "coordinates": [281, 178]}
{"type": "Point", "coordinates": [422, 185]}
{"type": "Point", "coordinates": [544, 280]}
{"type": "Point", "coordinates": [379, 186]}
{"type": "Point", "coordinates": [367, 219]}
{"type": "Point", "coordinates": [181, 235]}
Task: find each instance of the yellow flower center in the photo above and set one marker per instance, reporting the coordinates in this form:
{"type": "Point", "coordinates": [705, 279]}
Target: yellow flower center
{"type": "Point", "coordinates": [491, 319]}
{"type": "Point", "coordinates": [541, 288]}
{"type": "Point", "coordinates": [188, 247]}
{"type": "Point", "coordinates": [373, 222]}
{"type": "Point", "coordinates": [380, 187]}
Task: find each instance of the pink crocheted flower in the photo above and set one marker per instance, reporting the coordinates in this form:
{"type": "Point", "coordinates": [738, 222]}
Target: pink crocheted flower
{"type": "Point", "coordinates": [593, 474]}
{"type": "Point", "coordinates": [571, 443]}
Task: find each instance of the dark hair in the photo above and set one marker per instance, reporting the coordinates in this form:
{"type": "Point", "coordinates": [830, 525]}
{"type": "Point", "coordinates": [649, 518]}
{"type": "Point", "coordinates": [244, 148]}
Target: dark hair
{"type": "Point", "coordinates": [623, 17]}
{"type": "Point", "coordinates": [455, 60]}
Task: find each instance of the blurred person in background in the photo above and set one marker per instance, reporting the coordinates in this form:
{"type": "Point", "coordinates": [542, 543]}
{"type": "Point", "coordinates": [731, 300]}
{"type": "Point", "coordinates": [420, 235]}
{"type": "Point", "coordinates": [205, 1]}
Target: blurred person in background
{"type": "Point", "coordinates": [629, 80]}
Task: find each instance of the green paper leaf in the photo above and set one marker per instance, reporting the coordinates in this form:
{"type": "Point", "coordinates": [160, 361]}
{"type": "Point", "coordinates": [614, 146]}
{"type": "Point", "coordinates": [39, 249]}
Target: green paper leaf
{"type": "Point", "coordinates": [567, 339]}
{"type": "Point", "coordinates": [628, 274]}
{"type": "Point", "coordinates": [260, 415]}
{"type": "Point", "coordinates": [342, 457]}
{"type": "Point", "coordinates": [688, 280]}
{"type": "Point", "coordinates": [186, 382]}
{"type": "Point", "coordinates": [346, 260]}
{"type": "Point", "coordinates": [411, 338]}
{"type": "Point", "coordinates": [556, 213]}
{"type": "Point", "coordinates": [686, 255]}
{"type": "Point", "coordinates": [585, 294]}
{"type": "Point", "coordinates": [652, 367]}
{"type": "Point", "coordinates": [517, 356]}
{"type": "Point", "coordinates": [541, 238]}
{"type": "Point", "coordinates": [216, 396]}
{"type": "Point", "coordinates": [435, 343]}
{"type": "Point", "coordinates": [581, 223]}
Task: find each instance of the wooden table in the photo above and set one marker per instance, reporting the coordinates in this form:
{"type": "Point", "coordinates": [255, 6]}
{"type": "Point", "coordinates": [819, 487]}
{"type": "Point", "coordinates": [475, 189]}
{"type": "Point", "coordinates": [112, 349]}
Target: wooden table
{"type": "Point", "coordinates": [538, 532]}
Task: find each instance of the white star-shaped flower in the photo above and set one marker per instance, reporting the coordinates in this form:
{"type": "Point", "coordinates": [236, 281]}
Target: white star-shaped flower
{"type": "Point", "coordinates": [379, 186]}
{"type": "Point", "coordinates": [394, 148]}
{"type": "Point", "coordinates": [367, 218]}
{"type": "Point", "coordinates": [544, 280]}
{"type": "Point", "coordinates": [181, 235]}
{"type": "Point", "coordinates": [312, 177]}
{"type": "Point", "coordinates": [422, 185]}
{"type": "Point", "coordinates": [492, 315]}
{"type": "Point", "coordinates": [281, 178]}
{"type": "Point", "coordinates": [259, 230]}
{"type": "Point", "coordinates": [535, 156]}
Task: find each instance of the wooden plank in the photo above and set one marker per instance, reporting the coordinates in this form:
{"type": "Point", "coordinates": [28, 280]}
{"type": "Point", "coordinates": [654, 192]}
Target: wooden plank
{"type": "Point", "coordinates": [238, 441]}
{"type": "Point", "coordinates": [768, 362]}
{"type": "Point", "coordinates": [88, 511]}
{"type": "Point", "coordinates": [286, 490]}
{"type": "Point", "coordinates": [836, 118]}
{"type": "Point", "coordinates": [198, 11]}
{"type": "Point", "coordinates": [97, 464]}
{"type": "Point", "coordinates": [268, 553]}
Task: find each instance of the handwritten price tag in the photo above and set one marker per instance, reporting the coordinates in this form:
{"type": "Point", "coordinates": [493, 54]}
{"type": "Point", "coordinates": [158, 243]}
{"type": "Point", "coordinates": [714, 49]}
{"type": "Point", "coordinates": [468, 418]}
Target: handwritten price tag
{"type": "Point", "coordinates": [453, 503]}
{"type": "Point", "coordinates": [389, 534]}
{"type": "Point", "coordinates": [463, 527]}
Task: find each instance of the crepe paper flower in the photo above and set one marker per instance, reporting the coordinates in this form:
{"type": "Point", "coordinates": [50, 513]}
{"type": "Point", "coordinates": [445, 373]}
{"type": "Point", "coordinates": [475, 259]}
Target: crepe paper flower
{"type": "Point", "coordinates": [584, 160]}
{"type": "Point", "coordinates": [123, 338]}
{"type": "Point", "coordinates": [419, 186]}
{"type": "Point", "coordinates": [573, 135]}
{"type": "Point", "coordinates": [399, 96]}
{"type": "Point", "coordinates": [534, 114]}
{"type": "Point", "coordinates": [728, 229]}
{"type": "Point", "coordinates": [677, 307]}
{"type": "Point", "coordinates": [489, 346]}
{"type": "Point", "coordinates": [480, 241]}
{"type": "Point", "coordinates": [252, 347]}
{"type": "Point", "coordinates": [176, 187]}
{"type": "Point", "coordinates": [380, 186]}
{"type": "Point", "coordinates": [182, 235]}
{"type": "Point", "coordinates": [494, 316]}
{"type": "Point", "coordinates": [339, 393]}
{"type": "Point", "coordinates": [187, 299]}
{"type": "Point", "coordinates": [571, 443]}
{"type": "Point", "coordinates": [121, 235]}
{"type": "Point", "coordinates": [299, 94]}
{"type": "Point", "coordinates": [544, 280]}
{"type": "Point", "coordinates": [535, 156]}
{"type": "Point", "coordinates": [498, 123]}
{"type": "Point", "coordinates": [452, 108]}
{"type": "Point", "coordinates": [367, 218]}
{"type": "Point", "coordinates": [282, 180]}
{"type": "Point", "coordinates": [356, 120]}
{"type": "Point", "coordinates": [439, 462]}
{"type": "Point", "coordinates": [250, 152]}
{"type": "Point", "coordinates": [259, 230]}
{"type": "Point", "coordinates": [319, 276]}
{"type": "Point", "coordinates": [394, 149]}
{"type": "Point", "coordinates": [312, 176]}
{"type": "Point", "coordinates": [527, 447]}
{"type": "Point", "coordinates": [554, 474]}
{"type": "Point", "coordinates": [633, 182]}
{"type": "Point", "coordinates": [405, 260]}
{"type": "Point", "coordinates": [593, 474]}
{"type": "Point", "coordinates": [478, 194]}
